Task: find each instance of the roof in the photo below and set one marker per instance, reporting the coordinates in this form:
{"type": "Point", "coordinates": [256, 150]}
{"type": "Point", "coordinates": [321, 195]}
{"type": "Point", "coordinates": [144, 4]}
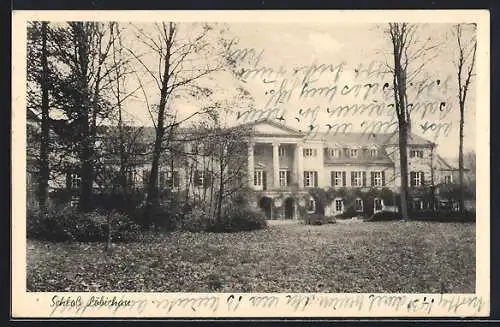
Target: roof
{"type": "Point", "coordinates": [351, 138]}
{"type": "Point", "coordinates": [334, 139]}
{"type": "Point", "coordinates": [442, 164]}
{"type": "Point", "coordinates": [413, 139]}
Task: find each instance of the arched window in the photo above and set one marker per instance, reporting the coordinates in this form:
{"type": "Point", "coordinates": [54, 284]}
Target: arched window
{"type": "Point", "coordinates": [311, 205]}
{"type": "Point", "coordinates": [358, 205]}
{"type": "Point", "coordinates": [338, 205]}
{"type": "Point", "coordinates": [378, 205]}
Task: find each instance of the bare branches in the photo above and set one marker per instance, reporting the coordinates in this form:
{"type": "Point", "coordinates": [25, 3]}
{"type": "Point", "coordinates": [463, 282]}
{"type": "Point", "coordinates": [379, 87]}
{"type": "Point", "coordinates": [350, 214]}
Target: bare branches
{"type": "Point", "coordinates": [466, 62]}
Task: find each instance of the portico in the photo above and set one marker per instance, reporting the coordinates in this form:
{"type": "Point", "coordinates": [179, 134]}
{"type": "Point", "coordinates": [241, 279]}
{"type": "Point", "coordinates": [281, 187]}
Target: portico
{"type": "Point", "coordinates": [280, 162]}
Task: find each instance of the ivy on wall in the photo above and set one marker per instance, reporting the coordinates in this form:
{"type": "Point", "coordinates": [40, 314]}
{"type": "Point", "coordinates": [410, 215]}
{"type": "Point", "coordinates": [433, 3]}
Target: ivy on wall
{"type": "Point", "coordinates": [325, 197]}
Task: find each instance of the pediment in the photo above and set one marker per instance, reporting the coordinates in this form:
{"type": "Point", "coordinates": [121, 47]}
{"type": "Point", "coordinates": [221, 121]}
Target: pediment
{"type": "Point", "coordinates": [271, 128]}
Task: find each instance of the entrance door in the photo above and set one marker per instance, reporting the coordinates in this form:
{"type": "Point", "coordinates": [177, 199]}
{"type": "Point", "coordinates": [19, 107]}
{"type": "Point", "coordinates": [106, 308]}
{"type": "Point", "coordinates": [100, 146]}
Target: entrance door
{"type": "Point", "coordinates": [289, 208]}
{"type": "Point", "coordinates": [266, 204]}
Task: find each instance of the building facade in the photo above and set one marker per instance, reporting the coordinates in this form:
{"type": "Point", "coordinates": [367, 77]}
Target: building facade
{"type": "Point", "coordinates": [283, 165]}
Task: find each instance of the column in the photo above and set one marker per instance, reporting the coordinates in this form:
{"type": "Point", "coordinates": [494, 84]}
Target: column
{"type": "Point", "coordinates": [276, 165]}
{"type": "Point", "coordinates": [250, 164]}
{"type": "Point", "coordinates": [300, 165]}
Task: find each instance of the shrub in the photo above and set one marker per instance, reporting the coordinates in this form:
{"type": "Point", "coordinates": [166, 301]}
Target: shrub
{"type": "Point", "coordinates": [165, 217]}
{"type": "Point", "coordinates": [197, 220]}
{"type": "Point", "coordinates": [444, 216]}
{"type": "Point", "coordinates": [331, 219]}
{"type": "Point", "coordinates": [63, 223]}
{"type": "Point", "coordinates": [236, 218]}
{"type": "Point", "coordinates": [349, 213]}
{"type": "Point", "coordinates": [316, 219]}
{"type": "Point", "coordinates": [384, 216]}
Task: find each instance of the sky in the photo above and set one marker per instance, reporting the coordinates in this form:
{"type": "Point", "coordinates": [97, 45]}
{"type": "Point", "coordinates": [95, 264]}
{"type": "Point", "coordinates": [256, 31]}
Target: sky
{"type": "Point", "coordinates": [310, 74]}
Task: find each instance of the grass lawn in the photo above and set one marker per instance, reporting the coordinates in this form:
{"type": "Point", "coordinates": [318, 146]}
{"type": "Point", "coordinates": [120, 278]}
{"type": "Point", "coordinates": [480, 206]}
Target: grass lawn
{"type": "Point", "coordinates": [343, 257]}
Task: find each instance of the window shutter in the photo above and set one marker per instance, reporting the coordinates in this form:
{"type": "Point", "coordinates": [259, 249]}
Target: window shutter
{"type": "Point", "coordinates": [175, 179]}
{"type": "Point", "coordinates": [422, 178]}
{"type": "Point", "coordinates": [346, 152]}
{"type": "Point", "coordinates": [68, 179]}
{"type": "Point", "coordinates": [364, 178]}
{"type": "Point", "coordinates": [383, 178]}
{"type": "Point", "coordinates": [207, 179]}
{"type": "Point", "coordinates": [287, 177]}
{"type": "Point", "coordinates": [264, 180]}
{"type": "Point", "coordinates": [332, 178]}
{"type": "Point", "coordinates": [305, 174]}
{"type": "Point", "coordinates": [344, 179]}
{"type": "Point", "coordinates": [372, 178]}
{"type": "Point", "coordinates": [145, 178]}
{"type": "Point", "coordinates": [315, 179]}
{"type": "Point", "coordinates": [315, 152]}
{"type": "Point", "coordinates": [196, 178]}
{"type": "Point", "coordinates": [162, 179]}
{"type": "Point", "coordinates": [412, 178]}
{"type": "Point", "coordinates": [352, 178]}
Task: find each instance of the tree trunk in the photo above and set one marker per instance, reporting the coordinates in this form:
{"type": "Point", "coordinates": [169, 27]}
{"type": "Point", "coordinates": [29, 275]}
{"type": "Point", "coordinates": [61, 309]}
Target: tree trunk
{"type": "Point", "coordinates": [86, 171]}
{"type": "Point", "coordinates": [461, 160]}
{"type": "Point", "coordinates": [44, 171]}
{"type": "Point", "coordinates": [152, 191]}
{"type": "Point", "coordinates": [403, 162]}
{"type": "Point", "coordinates": [221, 186]}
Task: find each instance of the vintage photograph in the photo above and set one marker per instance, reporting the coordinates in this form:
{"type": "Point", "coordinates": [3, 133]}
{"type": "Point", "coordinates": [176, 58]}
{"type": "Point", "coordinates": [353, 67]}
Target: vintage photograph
{"type": "Point", "coordinates": [251, 157]}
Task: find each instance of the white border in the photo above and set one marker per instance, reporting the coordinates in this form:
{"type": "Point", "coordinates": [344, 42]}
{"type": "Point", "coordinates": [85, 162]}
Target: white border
{"type": "Point", "coordinates": [38, 304]}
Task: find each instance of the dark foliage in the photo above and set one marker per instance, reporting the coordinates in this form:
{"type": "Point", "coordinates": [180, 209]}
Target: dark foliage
{"type": "Point", "coordinates": [385, 216]}
{"type": "Point", "coordinates": [235, 219]}
{"type": "Point", "coordinates": [63, 223]}
{"type": "Point", "coordinates": [318, 219]}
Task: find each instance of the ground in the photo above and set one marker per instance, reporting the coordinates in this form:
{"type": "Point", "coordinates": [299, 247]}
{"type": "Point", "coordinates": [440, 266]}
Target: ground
{"type": "Point", "coordinates": [344, 257]}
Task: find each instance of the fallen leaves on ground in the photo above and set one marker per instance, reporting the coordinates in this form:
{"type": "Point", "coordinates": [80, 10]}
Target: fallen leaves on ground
{"type": "Point", "coordinates": [365, 257]}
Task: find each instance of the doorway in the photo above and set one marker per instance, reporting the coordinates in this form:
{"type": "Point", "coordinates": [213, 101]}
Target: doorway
{"type": "Point", "coordinates": [266, 204]}
{"type": "Point", "coordinates": [289, 208]}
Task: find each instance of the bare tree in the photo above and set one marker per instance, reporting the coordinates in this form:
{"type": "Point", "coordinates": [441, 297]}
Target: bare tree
{"type": "Point", "coordinates": [178, 68]}
{"type": "Point", "coordinates": [465, 67]}
{"type": "Point", "coordinates": [82, 49]}
{"type": "Point", "coordinates": [38, 73]}
{"type": "Point", "coordinates": [408, 62]}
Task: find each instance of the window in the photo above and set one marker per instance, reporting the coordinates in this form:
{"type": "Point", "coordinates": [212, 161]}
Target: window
{"type": "Point", "coordinates": [354, 153]}
{"type": "Point", "coordinates": [448, 179]}
{"type": "Point", "coordinates": [309, 152]}
{"type": "Point", "coordinates": [75, 181]}
{"type": "Point", "coordinates": [199, 178]}
{"type": "Point", "coordinates": [334, 153]}
{"type": "Point", "coordinates": [416, 153]}
{"type": "Point", "coordinates": [172, 179]}
{"type": "Point", "coordinates": [357, 178]}
{"type": "Point", "coordinates": [131, 177]}
{"type": "Point", "coordinates": [418, 204]}
{"type": "Point", "coordinates": [75, 201]}
{"type": "Point", "coordinates": [311, 205]}
{"type": "Point", "coordinates": [377, 178]}
{"type": "Point", "coordinates": [373, 153]}
{"type": "Point", "coordinates": [282, 151]}
{"type": "Point", "coordinates": [257, 178]}
{"type": "Point", "coordinates": [337, 178]}
{"type": "Point", "coordinates": [339, 205]}
{"type": "Point", "coordinates": [358, 205]}
{"type": "Point", "coordinates": [284, 177]}
{"type": "Point", "coordinates": [310, 178]}
{"type": "Point", "coordinates": [417, 178]}
{"type": "Point", "coordinates": [377, 205]}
